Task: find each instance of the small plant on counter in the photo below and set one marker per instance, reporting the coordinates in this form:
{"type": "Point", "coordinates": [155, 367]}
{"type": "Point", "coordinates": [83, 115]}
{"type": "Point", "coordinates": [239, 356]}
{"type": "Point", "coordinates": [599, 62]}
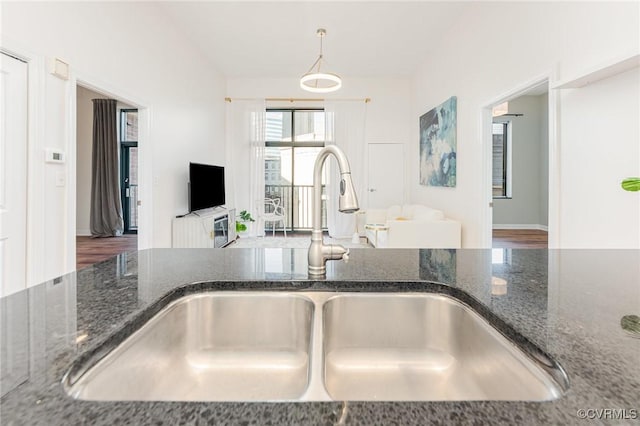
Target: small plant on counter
{"type": "Point", "coordinates": [243, 218]}
{"type": "Point", "coordinates": [631, 184]}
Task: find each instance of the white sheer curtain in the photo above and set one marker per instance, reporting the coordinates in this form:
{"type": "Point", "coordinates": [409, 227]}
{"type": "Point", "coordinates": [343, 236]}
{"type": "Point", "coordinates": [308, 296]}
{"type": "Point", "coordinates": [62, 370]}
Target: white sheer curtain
{"type": "Point", "coordinates": [344, 127]}
{"type": "Point", "coordinates": [245, 145]}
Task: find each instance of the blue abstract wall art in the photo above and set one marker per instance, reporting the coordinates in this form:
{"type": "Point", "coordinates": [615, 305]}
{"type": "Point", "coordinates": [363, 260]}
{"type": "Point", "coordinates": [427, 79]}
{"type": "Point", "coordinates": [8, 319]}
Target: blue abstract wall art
{"type": "Point", "coordinates": [438, 145]}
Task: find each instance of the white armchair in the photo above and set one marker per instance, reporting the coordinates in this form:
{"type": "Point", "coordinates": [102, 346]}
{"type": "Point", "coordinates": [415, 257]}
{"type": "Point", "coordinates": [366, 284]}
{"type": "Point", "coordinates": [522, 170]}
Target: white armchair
{"type": "Point", "coordinates": [411, 226]}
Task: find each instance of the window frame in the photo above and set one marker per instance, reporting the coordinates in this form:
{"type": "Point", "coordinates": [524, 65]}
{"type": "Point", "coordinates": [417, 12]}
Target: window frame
{"type": "Point", "coordinates": [507, 160]}
{"type": "Point", "coordinates": [293, 144]}
{"type": "Point", "coordinates": [125, 146]}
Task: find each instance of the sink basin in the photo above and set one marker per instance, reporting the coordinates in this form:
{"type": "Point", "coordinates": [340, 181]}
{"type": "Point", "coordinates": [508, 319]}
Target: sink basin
{"type": "Point", "coordinates": [315, 346]}
{"type": "Point", "coordinates": [210, 347]}
{"type": "Point", "coordinates": [422, 347]}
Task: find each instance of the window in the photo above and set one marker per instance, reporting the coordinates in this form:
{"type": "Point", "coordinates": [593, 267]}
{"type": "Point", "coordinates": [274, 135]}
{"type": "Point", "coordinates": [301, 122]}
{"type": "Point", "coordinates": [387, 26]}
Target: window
{"type": "Point", "coordinates": [294, 137]}
{"type": "Point", "coordinates": [501, 177]}
{"type": "Point", "coordinates": [129, 125]}
{"type": "Point", "coordinates": [129, 168]}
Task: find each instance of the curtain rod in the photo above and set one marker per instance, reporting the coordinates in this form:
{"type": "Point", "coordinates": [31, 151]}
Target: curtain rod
{"type": "Point", "coordinates": [366, 100]}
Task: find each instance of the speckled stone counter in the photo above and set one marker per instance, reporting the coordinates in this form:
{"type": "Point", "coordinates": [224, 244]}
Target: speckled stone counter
{"type": "Point", "coordinates": [567, 303]}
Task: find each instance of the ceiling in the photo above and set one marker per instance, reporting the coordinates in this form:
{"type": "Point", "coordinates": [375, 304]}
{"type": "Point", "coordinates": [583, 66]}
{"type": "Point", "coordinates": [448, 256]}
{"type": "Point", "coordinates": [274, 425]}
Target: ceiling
{"type": "Point", "coordinates": [278, 39]}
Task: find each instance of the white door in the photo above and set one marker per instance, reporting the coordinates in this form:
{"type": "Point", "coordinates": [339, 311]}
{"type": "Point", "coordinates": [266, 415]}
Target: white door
{"type": "Point", "coordinates": [386, 175]}
{"type": "Point", "coordinates": [13, 174]}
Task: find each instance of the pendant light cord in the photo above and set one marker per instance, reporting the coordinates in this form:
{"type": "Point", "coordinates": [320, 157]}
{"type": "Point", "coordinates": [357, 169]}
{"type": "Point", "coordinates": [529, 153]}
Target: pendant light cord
{"type": "Point", "coordinates": [318, 61]}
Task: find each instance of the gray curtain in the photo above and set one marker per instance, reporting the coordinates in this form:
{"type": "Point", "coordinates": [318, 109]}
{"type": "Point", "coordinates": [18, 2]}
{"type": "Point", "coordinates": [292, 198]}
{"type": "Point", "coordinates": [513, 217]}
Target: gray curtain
{"type": "Point", "coordinates": [106, 209]}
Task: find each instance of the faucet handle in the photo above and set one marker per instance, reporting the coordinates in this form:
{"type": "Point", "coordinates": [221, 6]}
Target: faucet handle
{"type": "Point", "coordinates": [345, 256]}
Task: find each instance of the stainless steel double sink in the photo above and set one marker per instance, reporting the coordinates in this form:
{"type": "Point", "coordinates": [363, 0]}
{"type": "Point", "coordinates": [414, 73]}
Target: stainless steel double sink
{"type": "Point", "coordinates": [314, 346]}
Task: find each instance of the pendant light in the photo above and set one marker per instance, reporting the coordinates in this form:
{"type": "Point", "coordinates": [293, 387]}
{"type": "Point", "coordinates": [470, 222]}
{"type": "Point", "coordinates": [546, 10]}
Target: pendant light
{"type": "Point", "coordinates": [317, 81]}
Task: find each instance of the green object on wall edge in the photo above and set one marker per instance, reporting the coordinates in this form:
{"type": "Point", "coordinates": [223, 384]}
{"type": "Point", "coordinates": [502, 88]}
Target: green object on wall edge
{"type": "Point", "coordinates": [631, 184]}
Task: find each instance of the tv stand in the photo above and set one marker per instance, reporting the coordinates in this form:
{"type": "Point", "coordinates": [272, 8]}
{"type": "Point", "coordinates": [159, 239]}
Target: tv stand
{"type": "Point", "coordinates": [211, 228]}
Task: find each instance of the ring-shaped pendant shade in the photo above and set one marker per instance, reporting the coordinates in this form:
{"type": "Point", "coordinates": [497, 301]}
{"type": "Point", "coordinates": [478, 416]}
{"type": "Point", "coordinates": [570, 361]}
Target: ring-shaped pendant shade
{"type": "Point", "coordinates": [330, 82]}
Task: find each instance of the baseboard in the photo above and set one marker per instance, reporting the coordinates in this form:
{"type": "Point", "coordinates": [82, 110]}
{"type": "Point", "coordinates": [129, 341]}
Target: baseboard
{"type": "Point", "coordinates": [83, 232]}
{"type": "Point", "coordinates": [521, 226]}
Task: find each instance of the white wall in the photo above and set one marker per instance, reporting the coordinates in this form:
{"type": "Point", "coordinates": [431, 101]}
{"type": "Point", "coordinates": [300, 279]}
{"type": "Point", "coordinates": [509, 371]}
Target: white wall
{"type": "Point", "coordinates": [562, 38]}
{"type": "Point", "coordinates": [129, 48]}
{"type": "Point", "coordinates": [600, 126]}
{"type": "Point", "coordinates": [388, 114]}
{"type": "Point", "coordinates": [529, 140]}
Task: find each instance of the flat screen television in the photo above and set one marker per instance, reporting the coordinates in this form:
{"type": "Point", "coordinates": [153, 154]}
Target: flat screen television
{"type": "Point", "coordinates": [206, 186]}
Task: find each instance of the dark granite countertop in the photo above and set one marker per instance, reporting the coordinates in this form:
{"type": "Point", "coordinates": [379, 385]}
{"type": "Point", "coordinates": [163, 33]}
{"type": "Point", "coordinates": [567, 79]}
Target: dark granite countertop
{"type": "Point", "coordinates": [569, 303]}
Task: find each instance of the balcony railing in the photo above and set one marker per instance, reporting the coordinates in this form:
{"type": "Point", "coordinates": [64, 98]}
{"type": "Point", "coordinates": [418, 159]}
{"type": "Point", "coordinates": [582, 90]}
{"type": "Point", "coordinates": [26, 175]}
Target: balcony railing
{"type": "Point", "coordinates": [296, 201]}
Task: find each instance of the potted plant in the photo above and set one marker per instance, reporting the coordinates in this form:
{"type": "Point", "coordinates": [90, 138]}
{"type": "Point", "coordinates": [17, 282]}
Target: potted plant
{"type": "Point", "coordinates": [241, 222]}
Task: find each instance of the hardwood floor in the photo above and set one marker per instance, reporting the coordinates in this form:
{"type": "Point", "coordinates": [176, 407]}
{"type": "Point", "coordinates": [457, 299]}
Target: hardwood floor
{"type": "Point", "coordinates": [92, 250]}
{"type": "Point", "coordinates": [520, 238]}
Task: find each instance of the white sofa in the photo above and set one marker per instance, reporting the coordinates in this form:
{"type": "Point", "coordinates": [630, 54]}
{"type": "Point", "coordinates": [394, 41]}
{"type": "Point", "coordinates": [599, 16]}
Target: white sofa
{"type": "Point", "coordinates": [411, 226]}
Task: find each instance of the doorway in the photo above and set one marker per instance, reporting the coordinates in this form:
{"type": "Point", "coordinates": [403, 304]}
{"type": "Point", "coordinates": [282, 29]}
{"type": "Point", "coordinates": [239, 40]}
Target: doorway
{"type": "Point", "coordinates": [385, 175]}
{"type": "Point", "coordinates": [90, 250]}
{"type": "Point", "coordinates": [519, 153]}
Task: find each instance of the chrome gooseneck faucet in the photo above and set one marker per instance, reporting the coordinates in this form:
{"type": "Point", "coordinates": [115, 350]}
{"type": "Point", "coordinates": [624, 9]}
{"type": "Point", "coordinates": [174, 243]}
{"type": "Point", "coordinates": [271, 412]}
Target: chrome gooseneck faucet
{"type": "Point", "coordinates": [319, 252]}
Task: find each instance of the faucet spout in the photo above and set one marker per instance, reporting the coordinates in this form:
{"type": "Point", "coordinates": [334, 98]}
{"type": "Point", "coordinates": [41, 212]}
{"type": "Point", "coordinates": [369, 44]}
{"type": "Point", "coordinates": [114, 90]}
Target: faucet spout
{"type": "Point", "coordinates": [319, 252]}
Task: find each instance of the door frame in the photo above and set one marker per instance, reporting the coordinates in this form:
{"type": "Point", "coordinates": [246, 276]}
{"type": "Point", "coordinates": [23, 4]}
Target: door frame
{"type": "Point", "coordinates": [17, 211]}
{"type": "Point", "coordinates": [145, 214]}
{"type": "Point", "coordinates": [485, 127]}
{"type": "Point", "coordinates": [35, 146]}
